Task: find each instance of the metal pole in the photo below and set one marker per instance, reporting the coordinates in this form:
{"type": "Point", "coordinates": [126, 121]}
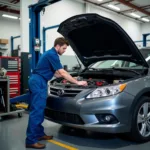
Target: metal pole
{"type": "Point", "coordinates": [44, 40]}
{"type": "Point", "coordinates": [30, 39]}
{"type": "Point", "coordinates": [145, 39]}
{"type": "Point", "coordinates": [12, 43]}
{"type": "Point", "coordinates": [44, 35]}
{"type": "Point", "coordinates": [15, 37]}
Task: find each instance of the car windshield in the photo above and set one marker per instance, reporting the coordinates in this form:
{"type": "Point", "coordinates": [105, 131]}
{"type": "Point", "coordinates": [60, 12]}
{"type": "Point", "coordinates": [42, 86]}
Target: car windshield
{"type": "Point", "coordinates": [122, 63]}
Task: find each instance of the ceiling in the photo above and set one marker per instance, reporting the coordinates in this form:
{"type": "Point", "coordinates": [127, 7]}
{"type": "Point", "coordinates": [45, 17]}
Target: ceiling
{"type": "Point", "coordinates": [10, 6]}
{"type": "Point", "coordinates": [140, 9]}
{"type": "Point", "coordinates": [125, 7]}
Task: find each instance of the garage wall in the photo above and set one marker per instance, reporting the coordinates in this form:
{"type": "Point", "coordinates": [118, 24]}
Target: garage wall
{"type": "Point", "coordinates": [55, 14]}
{"type": "Point", "coordinates": [133, 28]}
{"type": "Point", "coordinates": [145, 28]}
{"type": "Point", "coordinates": [8, 28]}
{"type": "Point", "coordinates": [24, 23]}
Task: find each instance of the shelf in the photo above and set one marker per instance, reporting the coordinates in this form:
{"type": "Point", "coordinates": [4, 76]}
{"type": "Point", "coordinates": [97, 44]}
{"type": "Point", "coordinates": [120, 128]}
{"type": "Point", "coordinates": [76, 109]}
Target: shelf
{"type": "Point", "coordinates": [2, 44]}
{"type": "Point", "coordinates": [3, 49]}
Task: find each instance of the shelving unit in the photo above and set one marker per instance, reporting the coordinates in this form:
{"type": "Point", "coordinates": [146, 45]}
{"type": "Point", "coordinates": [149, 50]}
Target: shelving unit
{"type": "Point", "coordinates": [3, 45]}
{"type": "Point", "coordinates": [6, 110]}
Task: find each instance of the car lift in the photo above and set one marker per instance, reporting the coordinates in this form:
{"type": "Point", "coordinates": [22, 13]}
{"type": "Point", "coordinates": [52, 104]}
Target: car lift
{"type": "Point", "coordinates": [34, 40]}
{"type": "Point", "coordinates": [145, 39]}
{"type": "Point", "coordinates": [12, 41]}
{"type": "Point", "coordinates": [44, 35]}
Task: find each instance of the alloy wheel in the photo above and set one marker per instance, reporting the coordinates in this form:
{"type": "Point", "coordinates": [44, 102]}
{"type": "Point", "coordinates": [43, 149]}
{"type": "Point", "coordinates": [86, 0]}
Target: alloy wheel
{"type": "Point", "coordinates": [143, 120]}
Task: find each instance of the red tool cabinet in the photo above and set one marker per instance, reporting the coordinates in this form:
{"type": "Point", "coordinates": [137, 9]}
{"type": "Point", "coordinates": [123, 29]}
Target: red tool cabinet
{"type": "Point", "coordinates": [13, 67]}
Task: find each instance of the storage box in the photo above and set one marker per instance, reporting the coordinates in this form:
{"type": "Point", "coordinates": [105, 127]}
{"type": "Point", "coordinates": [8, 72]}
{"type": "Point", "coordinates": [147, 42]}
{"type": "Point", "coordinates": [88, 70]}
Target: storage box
{"type": "Point", "coordinates": [3, 41]}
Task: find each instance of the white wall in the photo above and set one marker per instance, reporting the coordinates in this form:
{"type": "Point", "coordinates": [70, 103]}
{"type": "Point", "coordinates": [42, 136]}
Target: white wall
{"type": "Point", "coordinates": [145, 28]}
{"type": "Point", "coordinates": [24, 14]}
{"type": "Point", "coordinates": [8, 28]}
{"type": "Point", "coordinates": [62, 10]}
{"type": "Point", "coordinates": [57, 13]}
{"type": "Point", "coordinates": [133, 28]}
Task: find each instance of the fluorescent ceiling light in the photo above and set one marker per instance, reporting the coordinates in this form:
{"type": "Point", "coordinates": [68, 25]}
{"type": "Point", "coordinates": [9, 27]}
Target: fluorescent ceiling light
{"type": "Point", "coordinates": [114, 7]}
{"type": "Point", "coordinates": [145, 19]}
{"type": "Point", "coordinates": [9, 16]}
{"type": "Point", "coordinates": [99, 0]}
{"type": "Point", "coordinates": [135, 15]}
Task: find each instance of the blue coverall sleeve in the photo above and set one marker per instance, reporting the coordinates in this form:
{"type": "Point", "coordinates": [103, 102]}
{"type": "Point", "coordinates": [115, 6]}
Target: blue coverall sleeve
{"type": "Point", "coordinates": [55, 63]}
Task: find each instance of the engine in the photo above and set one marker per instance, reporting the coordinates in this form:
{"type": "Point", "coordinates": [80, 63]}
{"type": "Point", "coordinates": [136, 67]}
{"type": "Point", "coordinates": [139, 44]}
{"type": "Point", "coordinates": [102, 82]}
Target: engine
{"type": "Point", "coordinates": [92, 82]}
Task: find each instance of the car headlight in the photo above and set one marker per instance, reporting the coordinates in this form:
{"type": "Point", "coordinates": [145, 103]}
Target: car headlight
{"type": "Point", "coordinates": [107, 91]}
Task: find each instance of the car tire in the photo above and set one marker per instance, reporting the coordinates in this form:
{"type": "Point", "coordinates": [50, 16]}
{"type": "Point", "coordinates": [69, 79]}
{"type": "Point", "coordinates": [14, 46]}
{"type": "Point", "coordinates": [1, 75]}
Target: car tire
{"type": "Point", "coordinates": [138, 123]}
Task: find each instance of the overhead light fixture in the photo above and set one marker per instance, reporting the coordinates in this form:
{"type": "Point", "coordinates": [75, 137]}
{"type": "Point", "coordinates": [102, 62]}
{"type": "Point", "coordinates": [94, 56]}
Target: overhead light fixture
{"type": "Point", "coordinates": [145, 19]}
{"type": "Point", "coordinates": [135, 15]}
{"type": "Point", "coordinates": [9, 16]}
{"type": "Point", "coordinates": [114, 7]}
{"type": "Point", "coordinates": [99, 0]}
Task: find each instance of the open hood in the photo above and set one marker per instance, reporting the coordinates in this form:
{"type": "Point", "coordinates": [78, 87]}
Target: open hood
{"type": "Point", "coordinates": [94, 38]}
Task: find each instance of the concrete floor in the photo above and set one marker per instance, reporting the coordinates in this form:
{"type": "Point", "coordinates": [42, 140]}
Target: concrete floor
{"type": "Point", "coordinates": [12, 137]}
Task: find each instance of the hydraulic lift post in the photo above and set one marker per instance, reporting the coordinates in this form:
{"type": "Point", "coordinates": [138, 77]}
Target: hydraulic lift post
{"type": "Point", "coordinates": [12, 41]}
{"type": "Point", "coordinates": [34, 39]}
{"type": "Point", "coordinates": [145, 39]}
{"type": "Point", "coordinates": [44, 35]}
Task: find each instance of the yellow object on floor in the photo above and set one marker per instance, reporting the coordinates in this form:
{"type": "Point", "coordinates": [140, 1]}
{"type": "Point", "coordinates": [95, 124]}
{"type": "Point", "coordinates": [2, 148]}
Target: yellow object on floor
{"type": "Point", "coordinates": [25, 106]}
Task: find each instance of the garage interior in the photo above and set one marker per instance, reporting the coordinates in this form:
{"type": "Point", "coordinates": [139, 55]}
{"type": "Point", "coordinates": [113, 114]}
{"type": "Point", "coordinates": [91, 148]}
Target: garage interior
{"type": "Point", "coordinates": [28, 29]}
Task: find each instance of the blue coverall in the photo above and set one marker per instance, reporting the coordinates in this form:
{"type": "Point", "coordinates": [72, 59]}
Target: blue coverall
{"type": "Point", "coordinates": [44, 71]}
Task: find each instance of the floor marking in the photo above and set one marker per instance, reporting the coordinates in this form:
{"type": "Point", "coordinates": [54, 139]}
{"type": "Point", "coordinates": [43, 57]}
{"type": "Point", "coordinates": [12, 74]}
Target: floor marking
{"type": "Point", "coordinates": [62, 145]}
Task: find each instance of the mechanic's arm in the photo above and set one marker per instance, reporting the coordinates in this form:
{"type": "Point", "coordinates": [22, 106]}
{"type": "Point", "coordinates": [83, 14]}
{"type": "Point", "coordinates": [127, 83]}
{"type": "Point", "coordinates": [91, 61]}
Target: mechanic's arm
{"type": "Point", "coordinates": [56, 65]}
{"type": "Point", "coordinates": [68, 77]}
{"type": "Point", "coordinates": [57, 75]}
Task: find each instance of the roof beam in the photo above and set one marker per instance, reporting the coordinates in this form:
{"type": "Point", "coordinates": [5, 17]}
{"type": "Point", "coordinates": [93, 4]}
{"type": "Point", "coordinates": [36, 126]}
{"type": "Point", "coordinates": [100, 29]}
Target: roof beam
{"type": "Point", "coordinates": [17, 1]}
{"type": "Point", "coordinates": [9, 4]}
{"type": "Point", "coordinates": [134, 7]}
{"type": "Point", "coordinates": [3, 7]}
{"type": "Point", "coordinates": [112, 10]}
{"type": "Point", "coordinates": [127, 1]}
{"type": "Point", "coordinates": [142, 7]}
{"type": "Point", "coordinates": [12, 1]}
{"type": "Point", "coordinates": [106, 2]}
{"type": "Point", "coordinates": [10, 10]}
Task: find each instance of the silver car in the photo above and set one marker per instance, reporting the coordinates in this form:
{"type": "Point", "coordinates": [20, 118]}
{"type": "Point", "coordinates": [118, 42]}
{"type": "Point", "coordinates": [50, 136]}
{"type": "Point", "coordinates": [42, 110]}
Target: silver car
{"type": "Point", "coordinates": [117, 98]}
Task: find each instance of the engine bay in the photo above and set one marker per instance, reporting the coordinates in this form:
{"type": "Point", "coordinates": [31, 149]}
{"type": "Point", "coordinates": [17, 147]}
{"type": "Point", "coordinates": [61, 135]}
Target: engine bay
{"type": "Point", "coordinates": [93, 79]}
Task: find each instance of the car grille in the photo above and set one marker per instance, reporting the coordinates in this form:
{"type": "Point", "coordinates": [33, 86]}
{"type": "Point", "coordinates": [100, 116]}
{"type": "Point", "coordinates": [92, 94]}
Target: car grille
{"type": "Point", "coordinates": [63, 117]}
{"type": "Point", "coordinates": [64, 92]}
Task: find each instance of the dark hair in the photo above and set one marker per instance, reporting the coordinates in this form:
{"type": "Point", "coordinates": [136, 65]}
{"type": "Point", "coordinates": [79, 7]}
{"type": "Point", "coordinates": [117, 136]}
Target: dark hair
{"type": "Point", "coordinates": [61, 41]}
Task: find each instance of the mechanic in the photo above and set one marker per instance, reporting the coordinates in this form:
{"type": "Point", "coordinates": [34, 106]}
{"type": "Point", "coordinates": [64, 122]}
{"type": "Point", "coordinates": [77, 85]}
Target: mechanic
{"type": "Point", "coordinates": [48, 66]}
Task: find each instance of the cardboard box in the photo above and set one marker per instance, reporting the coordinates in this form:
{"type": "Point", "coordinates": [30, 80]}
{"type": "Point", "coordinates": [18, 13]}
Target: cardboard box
{"type": "Point", "coordinates": [3, 41]}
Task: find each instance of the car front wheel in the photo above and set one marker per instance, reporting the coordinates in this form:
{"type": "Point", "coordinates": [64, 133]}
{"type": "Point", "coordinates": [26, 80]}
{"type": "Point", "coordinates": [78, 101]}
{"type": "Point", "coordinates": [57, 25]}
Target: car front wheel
{"type": "Point", "coordinates": [140, 130]}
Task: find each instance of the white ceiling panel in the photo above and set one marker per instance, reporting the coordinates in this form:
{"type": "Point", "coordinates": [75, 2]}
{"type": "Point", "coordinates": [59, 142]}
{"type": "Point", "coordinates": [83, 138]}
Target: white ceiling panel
{"type": "Point", "coordinates": [141, 2]}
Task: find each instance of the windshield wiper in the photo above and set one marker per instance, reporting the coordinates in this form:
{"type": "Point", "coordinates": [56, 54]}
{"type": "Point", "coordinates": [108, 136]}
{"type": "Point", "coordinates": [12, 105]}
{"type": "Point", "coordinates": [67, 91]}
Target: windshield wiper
{"type": "Point", "coordinates": [123, 69]}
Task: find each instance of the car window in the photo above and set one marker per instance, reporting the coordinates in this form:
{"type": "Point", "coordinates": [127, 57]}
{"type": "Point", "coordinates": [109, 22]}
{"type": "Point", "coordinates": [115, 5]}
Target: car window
{"type": "Point", "coordinates": [121, 63]}
{"type": "Point", "coordinates": [108, 64]}
{"type": "Point", "coordinates": [114, 63]}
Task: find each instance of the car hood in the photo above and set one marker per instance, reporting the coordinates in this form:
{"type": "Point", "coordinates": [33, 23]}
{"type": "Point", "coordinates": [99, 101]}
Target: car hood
{"type": "Point", "coordinates": [94, 38]}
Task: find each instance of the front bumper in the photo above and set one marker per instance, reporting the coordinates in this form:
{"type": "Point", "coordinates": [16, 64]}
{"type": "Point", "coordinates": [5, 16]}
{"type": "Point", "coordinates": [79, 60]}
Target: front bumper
{"type": "Point", "coordinates": [82, 113]}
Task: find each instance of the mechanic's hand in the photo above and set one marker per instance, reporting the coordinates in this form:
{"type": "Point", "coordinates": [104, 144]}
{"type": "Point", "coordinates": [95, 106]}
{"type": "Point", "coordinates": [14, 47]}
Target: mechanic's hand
{"type": "Point", "coordinates": [82, 83]}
